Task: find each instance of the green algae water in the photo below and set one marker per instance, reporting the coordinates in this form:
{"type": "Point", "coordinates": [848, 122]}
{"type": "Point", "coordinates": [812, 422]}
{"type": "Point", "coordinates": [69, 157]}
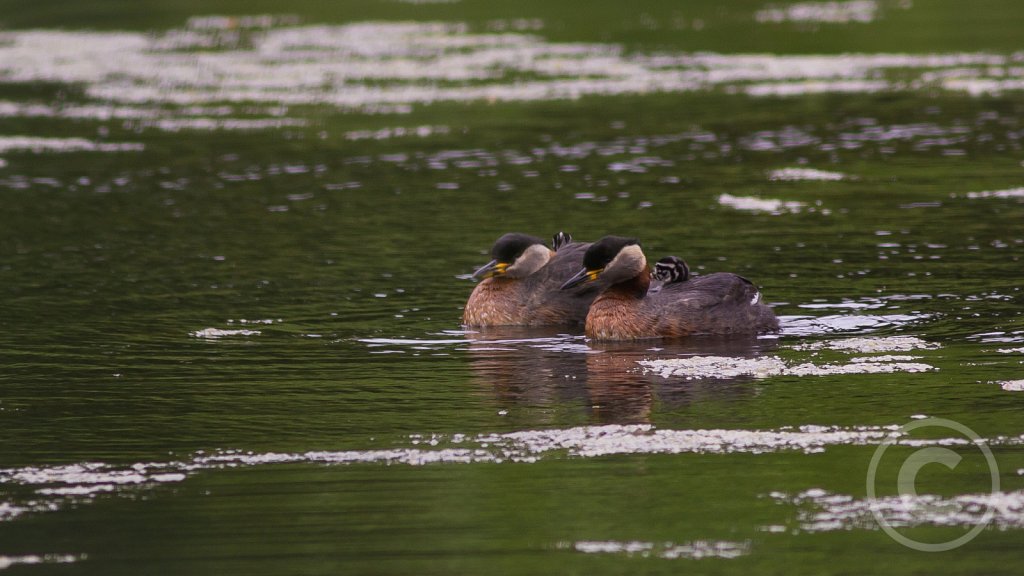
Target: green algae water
{"type": "Point", "coordinates": [234, 249]}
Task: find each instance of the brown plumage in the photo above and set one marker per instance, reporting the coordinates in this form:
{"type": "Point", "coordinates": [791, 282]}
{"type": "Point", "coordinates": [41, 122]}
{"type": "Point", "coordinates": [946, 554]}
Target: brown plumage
{"type": "Point", "coordinates": [720, 303]}
{"type": "Point", "coordinates": [521, 286]}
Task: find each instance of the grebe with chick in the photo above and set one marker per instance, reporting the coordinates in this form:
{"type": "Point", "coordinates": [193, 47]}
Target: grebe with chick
{"type": "Point", "coordinates": [521, 286]}
{"type": "Point", "coordinates": [720, 303]}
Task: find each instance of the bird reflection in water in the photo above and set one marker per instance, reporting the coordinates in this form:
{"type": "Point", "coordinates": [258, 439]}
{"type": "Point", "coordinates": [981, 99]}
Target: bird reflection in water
{"type": "Point", "coordinates": [539, 368]}
{"type": "Point", "coordinates": [546, 371]}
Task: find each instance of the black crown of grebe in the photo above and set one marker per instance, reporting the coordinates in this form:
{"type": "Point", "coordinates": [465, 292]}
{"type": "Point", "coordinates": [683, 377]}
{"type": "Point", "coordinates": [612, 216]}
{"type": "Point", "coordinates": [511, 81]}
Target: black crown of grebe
{"type": "Point", "coordinates": [520, 285]}
{"type": "Point", "coordinates": [720, 303]}
{"type": "Point", "coordinates": [515, 255]}
{"type": "Point", "coordinates": [598, 260]}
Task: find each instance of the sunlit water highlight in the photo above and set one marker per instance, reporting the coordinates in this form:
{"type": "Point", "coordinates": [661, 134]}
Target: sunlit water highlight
{"type": "Point", "coordinates": [389, 66]}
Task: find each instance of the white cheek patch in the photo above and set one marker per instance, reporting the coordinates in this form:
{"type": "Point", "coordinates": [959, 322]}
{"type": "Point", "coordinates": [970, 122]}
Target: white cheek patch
{"type": "Point", "coordinates": [629, 262]}
{"type": "Point", "coordinates": [532, 259]}
{"type": "Point", "coordinates": [756, 298]}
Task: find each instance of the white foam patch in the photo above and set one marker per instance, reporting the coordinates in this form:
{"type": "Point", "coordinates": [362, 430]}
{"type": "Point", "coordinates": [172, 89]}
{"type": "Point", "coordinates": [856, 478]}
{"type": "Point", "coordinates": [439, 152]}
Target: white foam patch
{"type": "Point", "coordinates": [78, 490]}
{"type": "Point", "coordinates": [216, 333]}
{"type": "Point", "coordinates": [871, 344]}
{"type": "Point", "coordinates": [1008, 193]}
{"type": "Point", "coordinates": [1011, 350]}
{"type": "Point", "coordinates": [256, 321]}
{"type": "Point", "coordinates": [843, 305]}
{"type": "Point", "coordinates": [8, 561]}
{"type": "Point", "coordinates": [794, 174]}
{"type": "Point", "coordinates": [823, 511]}
{"type": "Point", "coordinates": [235, 124]}
{"type": "Point", "coordinates": [90, 474]}
{"type": "Point", "coordinates": [220, 22]}
{"type": "Point", "coordinates": [816, 325]}
{"type": "Point", "coordinates": [850, 11]}
{"type": "Point", "coordinates": [885, 358]}
{"type": "Point", "coordinates": [754, 204]}
{"type": "Point", "coordinates": [699, 367]}
{"type": "Point", "coordinates": [9, 109]}
{"type": "Point", "coordinates": [595, 441]}
{"type": "Point", "coordinates": [9, 511]}
{"type": "Point", "coordinates": [811, 369]}
{"type": "Point", "coordinates": [999, 336]}
{"type": "Point", "coordinates": [801, 88]}
{"type": "Point", "coordinates": [397, 132]}
{"type": "Point", "coordinates": [57, 486]}
{"type": "Point", "coordinates": [983, 86]}
{"type": "Point", "coordinates": [38, 144]}
{"type": "Point", "coordinates": [1012, 385]}
{"type": "Point", "coordinates": [694, 550]}
{"type": "Point", "coordinates": [186, 118]}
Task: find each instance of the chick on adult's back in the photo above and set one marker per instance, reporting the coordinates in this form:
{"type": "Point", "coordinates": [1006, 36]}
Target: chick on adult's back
{"type": "Point", "coordinates": [668, 270]}
{"type": "Point", "coordinates": [521, 285]}
{"type": "Point", "coordinates": [720, 303]}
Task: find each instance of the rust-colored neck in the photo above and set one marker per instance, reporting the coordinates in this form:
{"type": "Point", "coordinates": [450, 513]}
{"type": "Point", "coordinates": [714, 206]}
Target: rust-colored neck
{"type": "Point", "coordinates": [636, 287]}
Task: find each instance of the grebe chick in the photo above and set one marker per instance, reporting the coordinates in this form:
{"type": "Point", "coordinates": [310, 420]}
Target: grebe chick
{"type": "Point", "coordinates": [668, 270]}
{"type": "Point", "coordinates": [720, 303]}
{"type": "Point", "coordinates": [521, 285]}
{"type": "Point", "coordinates": [561, 239]}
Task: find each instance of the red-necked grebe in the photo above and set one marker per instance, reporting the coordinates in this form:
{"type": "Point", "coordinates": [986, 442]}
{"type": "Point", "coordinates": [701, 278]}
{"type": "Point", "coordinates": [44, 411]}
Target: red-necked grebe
{"type": "Point", "coordinates": [521, 285]}
{"type": "Point", "coordinates": [720, 303]}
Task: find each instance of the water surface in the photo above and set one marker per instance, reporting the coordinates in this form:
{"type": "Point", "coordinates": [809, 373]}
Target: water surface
{"type": "Point", "coordinates": [234, 251]}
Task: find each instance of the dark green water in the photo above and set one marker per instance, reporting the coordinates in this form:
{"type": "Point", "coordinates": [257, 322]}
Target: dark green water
{"type": "Point", "coordinates": [136, 437]}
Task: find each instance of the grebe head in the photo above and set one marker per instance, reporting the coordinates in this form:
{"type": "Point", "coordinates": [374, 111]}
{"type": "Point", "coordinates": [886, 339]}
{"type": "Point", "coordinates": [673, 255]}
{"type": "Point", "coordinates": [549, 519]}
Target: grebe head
{"type": "Point", "coordinates": [515, 255]}
{"type": "Point", "coordinates": [668, 270]}
{"type": "Point", "coordinates": [613, 258]}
